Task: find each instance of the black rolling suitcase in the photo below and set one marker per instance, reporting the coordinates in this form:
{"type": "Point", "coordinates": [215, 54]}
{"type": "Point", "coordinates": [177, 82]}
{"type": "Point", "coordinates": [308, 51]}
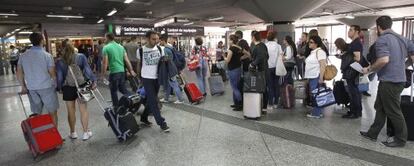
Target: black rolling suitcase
{"type": "Point", "coordinates": [121, 121]}
{"type": "Point", "coordinates": [341, 96]}
{"type": "Point", "coordinates": [407, 108]}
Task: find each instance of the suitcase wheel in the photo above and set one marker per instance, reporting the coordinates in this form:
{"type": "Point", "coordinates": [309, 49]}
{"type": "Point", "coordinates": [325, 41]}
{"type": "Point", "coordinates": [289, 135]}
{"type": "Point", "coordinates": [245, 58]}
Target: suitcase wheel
{"type": "Point", "coordinates": [245, 117]}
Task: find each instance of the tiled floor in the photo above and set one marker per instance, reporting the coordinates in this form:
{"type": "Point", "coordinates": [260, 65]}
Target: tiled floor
{"type": "Point", "coordinates": [207, 134]}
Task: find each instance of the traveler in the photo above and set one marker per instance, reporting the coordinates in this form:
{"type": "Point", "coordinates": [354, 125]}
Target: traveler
{"type": "Point", "coordinates": [172, 82]}
{"type": "Point", "coordinates": [220, 51]}
{"type": "Point", "coordinates": [98, 62]}
{"type": "Point", "coordinates": [260, 57]}
{"type": "Point", "coordinates": [352, 80]}
{"type": "Point", "coordinates": [148, 59]}
{"type": "Point", "coordinates": [246, 58]}
{"type": "Point", "coordinates": [273, 85]}
{"type": "Point", "coordinates": [69, 89]}
{"type": "Point", "coordinates": [14, 58]}
{"type": "Point", "coordinates": [301, 54]}
{"type": "Point", "coordinates": [131, 49]}
{"type": "Point", "coordinates": [289, 59]}
{"type": "Point", "coordinates": [391, 51]}
{"type": "Point", "coordinates": [116, 57]}
{"type": "Point", "coordinates": [199, 53]}
{"type": "Point", "coordinates": [220, 63]}
{"type": "Point", "coordinates": [315, 69]}
{"type": "Point", "coordinates": [37, 76]}
{"type": "Point", "coordinates": [232, 59]}
{"type": "Point", "coordinates": [308, 50]}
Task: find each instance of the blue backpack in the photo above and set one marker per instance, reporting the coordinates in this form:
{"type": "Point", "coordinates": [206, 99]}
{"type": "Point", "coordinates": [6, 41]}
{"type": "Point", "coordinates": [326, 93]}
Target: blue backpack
{"type": "Point", "coordinates": [178, 59]}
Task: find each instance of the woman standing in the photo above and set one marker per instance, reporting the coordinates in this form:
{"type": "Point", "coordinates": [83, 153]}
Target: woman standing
{"type": "Point", "coordinates": [199, 53]}
{"type": "Point", "coordinates": [233, 61]}
{"type": "Point", "coordinates": [70, 57]}
{"type": "Point", "coordinates": [289, 58]}
{"type": "Point", "coordinates": [315, 69]}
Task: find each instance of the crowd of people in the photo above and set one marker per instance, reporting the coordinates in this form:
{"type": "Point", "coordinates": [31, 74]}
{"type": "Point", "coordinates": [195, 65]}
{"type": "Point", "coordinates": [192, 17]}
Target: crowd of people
{"type": "Point", "coordinates": [40, 76]}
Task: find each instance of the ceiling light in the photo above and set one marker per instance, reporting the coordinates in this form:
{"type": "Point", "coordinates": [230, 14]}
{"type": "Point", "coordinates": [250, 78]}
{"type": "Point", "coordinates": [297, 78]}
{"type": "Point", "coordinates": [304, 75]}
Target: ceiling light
{"type": "Point", "coordinates": [165, 22]}
{"type": "Point", "coordinates": [326, 11]}
{"type": "Point", "coordinates": [8, 14]}
{"type": "Point", "coordinates": [190, 23]}
{"type": "Point", "coordinates": [350, 17]}
{"type": "Point", "coordinates": [216, 18]}
{"type": "Point", "coordinates": [112, 12]}
{"type": "Point", "coordinates": [180, 20]}
{"type": "Point", "coordinates": [137, 19]}
{"type": "Point", "coordinates": [25, 32]}
{"type": "Point", "coordinates": [100, 21]}
{"type": "Point", "coordinates": [128, 1]}
{"type": "Point", "coordinates": [63, 16]}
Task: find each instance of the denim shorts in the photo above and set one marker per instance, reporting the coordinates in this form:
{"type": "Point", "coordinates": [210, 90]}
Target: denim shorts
{"type": "Point", "coordinates": [46, 98]}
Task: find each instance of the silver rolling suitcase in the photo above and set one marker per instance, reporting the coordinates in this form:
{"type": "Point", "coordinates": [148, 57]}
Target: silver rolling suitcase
{"type": "Point", "coordinates": [252, 105]}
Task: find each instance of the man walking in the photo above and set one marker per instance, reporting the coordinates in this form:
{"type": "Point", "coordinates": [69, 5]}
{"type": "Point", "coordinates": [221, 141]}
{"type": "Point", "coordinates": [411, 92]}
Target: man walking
{"type": "Point", "coordinates": [148, 58]}
{"type": "Point", "coordinates": [392, 51]}
{"type": "Point", "coordinates": [37, 76]}
{"type": "Point", "coordinates": [115, 55]}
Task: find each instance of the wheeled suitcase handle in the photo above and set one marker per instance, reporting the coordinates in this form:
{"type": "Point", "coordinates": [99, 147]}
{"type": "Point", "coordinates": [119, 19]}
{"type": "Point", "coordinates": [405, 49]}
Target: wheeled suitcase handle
{"type": "Point", "coordinates": [24, 108]}
{"type": "Point", "coordinates": [99, 99]}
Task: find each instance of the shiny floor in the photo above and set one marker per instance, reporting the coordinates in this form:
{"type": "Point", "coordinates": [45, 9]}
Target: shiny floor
{"type": "Point", "coordinates": [207, 134]}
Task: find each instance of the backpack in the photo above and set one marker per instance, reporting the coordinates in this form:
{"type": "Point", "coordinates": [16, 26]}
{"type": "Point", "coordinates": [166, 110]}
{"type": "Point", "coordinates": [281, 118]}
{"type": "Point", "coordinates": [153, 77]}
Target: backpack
{"type": "Point", "coordinates": [78, 74]}
{"type": "Point", "coordinates": [178, 59]}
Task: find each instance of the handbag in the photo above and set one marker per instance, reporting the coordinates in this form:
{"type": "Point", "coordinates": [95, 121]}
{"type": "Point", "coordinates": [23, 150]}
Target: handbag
{"type": "Point", "coordinates": [254, 81]}
{"type": "Point", "coordinates": [330, 69]}
{"type": "Point", "coordinates": [222, 65]}
{"type": "Point", "coordinates": [323, 96]}
{"type": "Point", "coordinates": [280, 67]}
{"type": "Point", "coordinates": [85, 91]}
{"type": "Point", "coordinates": [363, 85]}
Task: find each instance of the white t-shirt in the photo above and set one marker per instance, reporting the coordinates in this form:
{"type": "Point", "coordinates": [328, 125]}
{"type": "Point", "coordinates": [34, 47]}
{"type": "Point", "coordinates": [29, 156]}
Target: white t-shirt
{"type": "Point", "coordinates": [312, 67]}
{"type": "Point", "coordinates": [274, 50]}
{"type": "Point", "coordinates": [150, 61]}
{"type": "Point", "coordinates": [289, 53]}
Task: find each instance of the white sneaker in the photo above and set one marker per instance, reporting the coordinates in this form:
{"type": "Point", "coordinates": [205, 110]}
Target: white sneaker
{"type": "Point", "coordinates": [73, 135]}
{"type": "Point", "coordinates": [87, 135]}
{"type": "Point", "coordinates": [163, 100]}
{"type": "Point", "coordinates": [313, 116]}
{"type": "Point", "coordinates": [178, 102]}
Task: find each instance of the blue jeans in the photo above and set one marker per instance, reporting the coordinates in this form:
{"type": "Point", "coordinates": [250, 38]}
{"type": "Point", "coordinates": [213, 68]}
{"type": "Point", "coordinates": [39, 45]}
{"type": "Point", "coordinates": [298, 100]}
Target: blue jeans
{"type": "Point", "coordinates": [201, 76]}
{"type": "Point", "coordinates": [273, 87]}
{"type": "Point", "coordinates": [174, 85]}
{"type": "Point", "coordinates": [117, 82]}
{"type": "Point", "coordinates": [313, 84]}
{"type": "Point", "coordinates": [152, 88]}
{"type": "Point", "coordinates": [234, 76]}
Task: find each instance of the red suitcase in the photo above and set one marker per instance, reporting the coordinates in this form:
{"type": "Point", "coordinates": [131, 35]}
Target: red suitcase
{"type": "Point", "coordinates": [40, 133]}
{"type": "Point", "coordinates": [193, 93]}
{"type": "Point", "coordinates": [191, 90]}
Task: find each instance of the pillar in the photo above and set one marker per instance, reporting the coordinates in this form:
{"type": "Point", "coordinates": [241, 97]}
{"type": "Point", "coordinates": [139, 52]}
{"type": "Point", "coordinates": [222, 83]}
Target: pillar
{"type": "Point", "coordinates": [282, 30]}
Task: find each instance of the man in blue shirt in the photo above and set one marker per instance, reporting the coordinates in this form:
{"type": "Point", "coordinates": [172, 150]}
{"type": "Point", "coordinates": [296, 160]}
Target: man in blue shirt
{"type": "Point", "coordinates": [391, 51]}
{"type": "Point", "coordinates": [36, 74]}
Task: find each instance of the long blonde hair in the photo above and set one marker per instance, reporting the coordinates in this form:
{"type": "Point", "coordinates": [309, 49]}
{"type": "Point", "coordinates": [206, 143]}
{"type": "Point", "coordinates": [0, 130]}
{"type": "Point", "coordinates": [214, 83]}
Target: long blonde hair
{"type": "Point", "coordinates": [68, 53]}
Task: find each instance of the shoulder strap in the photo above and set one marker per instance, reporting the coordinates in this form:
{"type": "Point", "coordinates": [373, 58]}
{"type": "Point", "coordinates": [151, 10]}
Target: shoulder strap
{"type": "Point", "coordinates": [73, 76]}
{"type": "Point", "coordinates": [159, 49]}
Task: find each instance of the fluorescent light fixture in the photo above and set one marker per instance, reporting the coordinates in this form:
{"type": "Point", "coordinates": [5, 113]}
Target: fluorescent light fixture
{"type": "Point", "coordinates": [350, 17]}
{"type": "Point", "coordinates": [25, 32]}
{"type": "Point", "coordinates": [128, 1]}
{"type": "Point", "coordinates": [112, 12]}
{"type": "Point", "coordinates": [326, 11]}
{"type": "Point", "coordinates": [165, 22]}
{"type": "Point", "coordinates": [216, 18]}
{"type": "Point", "coordinates": [182, 20]}
{"type": "Point", "coordinates": [190, 23]}
{"type": "Point", "coordinates": [7, 34]}
{"type": "Point", "coordinates": [100, 21]}
{"type": "Point", "coordinates": [63, 16]}
{"type": "Point", "coordinates": [8, 14]}
{"type": "Point", "coordinates": [137, 19]}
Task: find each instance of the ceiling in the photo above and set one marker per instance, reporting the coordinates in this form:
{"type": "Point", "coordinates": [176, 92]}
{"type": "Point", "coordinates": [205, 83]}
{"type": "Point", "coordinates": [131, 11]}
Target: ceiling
{"type": "Point", "coordinates": [235, 12]}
